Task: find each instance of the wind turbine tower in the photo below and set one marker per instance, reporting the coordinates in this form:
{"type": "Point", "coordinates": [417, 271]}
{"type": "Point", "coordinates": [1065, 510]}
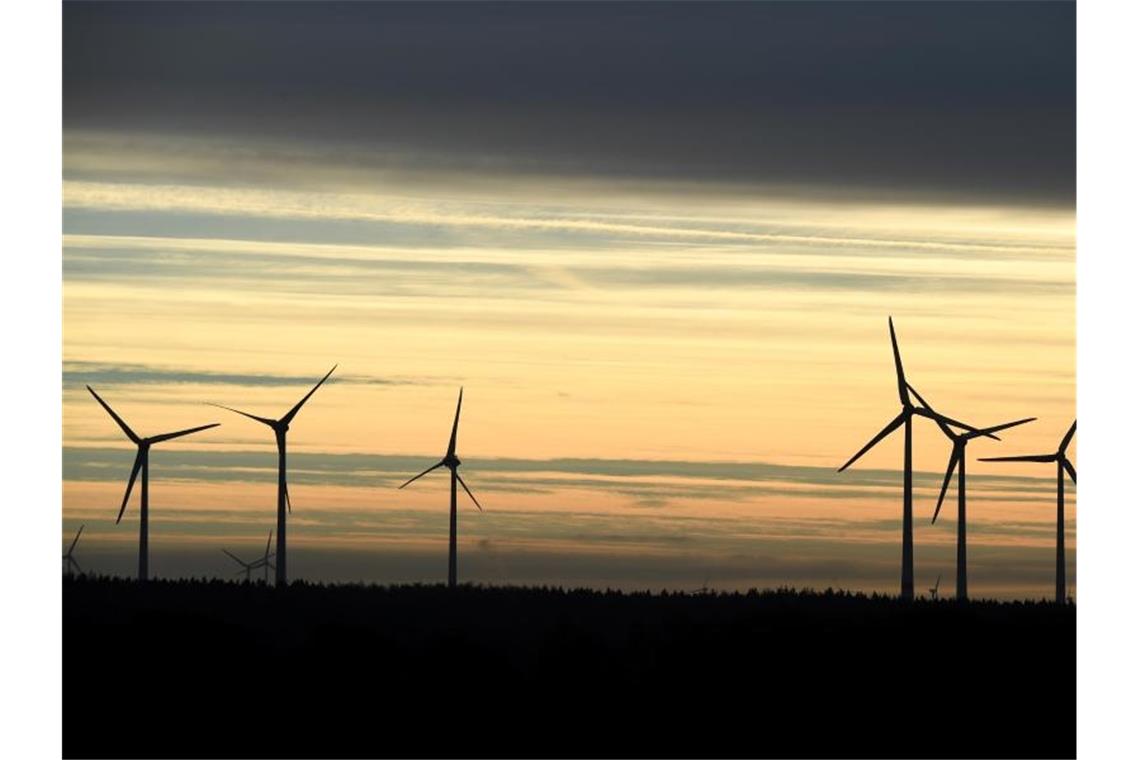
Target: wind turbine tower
{"type": "Point", "coordinates": [904, 419]}
{"type": "Point", "coordinates": [451, 462]}
{"type": "Point", "coordinates": [280, 427]}
{"type": "Point", "coordinates": [958, 461]}
{"type": "Point", "coordinates": [1063, 466]}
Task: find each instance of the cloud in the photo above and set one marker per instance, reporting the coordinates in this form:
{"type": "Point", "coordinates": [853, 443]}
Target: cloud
{"type": "Point", "coordinates": [823, 94]}
{"type": "Point", "coordinates": [650, 481]}
{"type": "Point", "coordinates": [422, 275]}
{"type": "Point", "coordinates": [79, 373]}
{"type": "Point", "coordinates": [376, 208]}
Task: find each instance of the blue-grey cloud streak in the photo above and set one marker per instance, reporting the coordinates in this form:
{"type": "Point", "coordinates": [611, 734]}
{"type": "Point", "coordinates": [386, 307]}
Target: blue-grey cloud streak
{"type": "Point", "coordinates": [732, 480]}
{"type": "Point", "coordinates": [79, 373]}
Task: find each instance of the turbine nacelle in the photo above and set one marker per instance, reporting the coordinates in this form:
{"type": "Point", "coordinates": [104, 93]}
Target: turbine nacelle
{"type": "Point", "coordinates": [281, 426]}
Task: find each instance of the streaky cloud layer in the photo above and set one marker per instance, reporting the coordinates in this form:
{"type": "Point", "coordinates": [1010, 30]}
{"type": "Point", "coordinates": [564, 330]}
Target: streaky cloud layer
{"type": "Point", "coordinates": [664, 291]}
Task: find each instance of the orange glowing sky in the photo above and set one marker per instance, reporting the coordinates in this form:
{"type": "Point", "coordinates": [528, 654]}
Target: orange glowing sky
{"type": "Point", "coordinates": [661, 373]}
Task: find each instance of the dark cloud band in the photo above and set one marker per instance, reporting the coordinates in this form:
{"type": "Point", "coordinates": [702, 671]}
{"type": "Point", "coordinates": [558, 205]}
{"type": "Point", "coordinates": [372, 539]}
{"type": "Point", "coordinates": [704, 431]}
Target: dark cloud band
{"type": "Point", "coordinates": [971, 100]}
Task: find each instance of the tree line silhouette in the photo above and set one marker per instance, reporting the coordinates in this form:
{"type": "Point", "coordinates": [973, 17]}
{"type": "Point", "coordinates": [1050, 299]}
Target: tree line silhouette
{"type": "Point", "coordinates": [430, 671]}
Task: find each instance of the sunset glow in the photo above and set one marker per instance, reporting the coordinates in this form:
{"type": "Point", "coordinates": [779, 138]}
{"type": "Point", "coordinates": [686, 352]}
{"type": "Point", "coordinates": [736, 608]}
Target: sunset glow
{"type": "Point", "coordinates": [661, 373]}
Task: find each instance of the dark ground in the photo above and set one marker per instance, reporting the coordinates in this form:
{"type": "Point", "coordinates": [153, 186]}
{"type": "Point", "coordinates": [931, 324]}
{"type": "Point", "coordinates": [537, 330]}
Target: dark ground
{"type": "Point", "coordinates": [216, 669]}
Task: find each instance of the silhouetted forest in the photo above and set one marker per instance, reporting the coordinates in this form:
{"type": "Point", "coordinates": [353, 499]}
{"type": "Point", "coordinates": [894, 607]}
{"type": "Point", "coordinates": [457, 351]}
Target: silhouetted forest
{"type": "Point", "coordinates": [209, 668]}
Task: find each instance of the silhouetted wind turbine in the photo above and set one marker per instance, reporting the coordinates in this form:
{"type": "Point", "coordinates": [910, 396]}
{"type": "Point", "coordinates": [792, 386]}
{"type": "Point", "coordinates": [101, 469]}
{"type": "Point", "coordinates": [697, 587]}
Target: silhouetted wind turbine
{"type": "Point", "coordinates": [68, 558]}
{"type": "Point", "coordinates": [451, 462]}
{"type": "Point", "coordinates": [904, 419]}
{"type": "Point", "coordinates": [1063, 466]}
{"type": "Point", "coordinates": [247, 567]}
{"type": "Point", "coordinates": [280, 428]}
{"type": "Point", "coordinates": [142, 462]}
{"type": "Point", "coordinates": [934, 591]}
{"type": "Point", "coordinates": [262, 561]}
{"type": "Point", "coordinates": [958, 460]}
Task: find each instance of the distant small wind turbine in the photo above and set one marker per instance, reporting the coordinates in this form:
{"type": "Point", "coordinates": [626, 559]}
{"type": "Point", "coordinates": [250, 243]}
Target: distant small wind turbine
{"type": "Point", "coordinates": [451, 462]}
{"type": "Point", "coordinates": [934, 591]}
{"type": "Point", "coordinates": [904, 419]}
{"type": "Point", "coordinates": [958, 460]}
{"type": "Point", "coordinates": [1063, 466]}
{"type": "Point", "coordinates": [249, 567]}
{"type": "Point", "coordinates": [264, 561]}
{"type": "Point", "coordinates": [142, 462]}
{"type": "Point", "coordinates": [280, 428]}
{"type": "Point", "coordinates": [69, 558]}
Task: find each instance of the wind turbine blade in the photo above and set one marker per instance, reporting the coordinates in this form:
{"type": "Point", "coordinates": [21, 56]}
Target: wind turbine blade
{"type": "Point", "coordinates": [946, 481]}
{"type": "Point", "coordinates": [1069, 468]}
{"type": "Point", "coordinates": [180, 433]}
{"type": "Point", "coordinates": [900, 376]}
{"type": "Point", "coordinates": [126, 429]}
{"type": "Point", "coordinates": [262, 420]}
{"type": "Point", "coordinates": [267, 542]}
{"type": "Point", "coordinates": [455, 425]}
{"type": "Point", "coordinates": [130, 484]}
{"type": "Point", "coordinates": [930, 413]}
{"type": "Point", "coordinates": [942, 420]}
{"type": "Point", "coordinates": [435, 466]}
{"type": "Point", "coordinates": [996, 428]}
{"type": "Point", "coordinates": [1068, 437]}
{"type": "Point", "coordinates": [468, 490]}
{"type": "Point", "coordinates": [918, 395]}
{"type": "Point", "coordinates": [964, 426]}
{"type": "Point", "coordinates": [234, 558]}
{"type": "Point", "coordinates": [72, 561]}
{"type": "Point", "coordinates": [76, 539]}
{"type": "Point", "coordinates": [956, 423]}
{"type": "Point", "coordinates": [293, 412]}
{"type": "Point", "coordinates": [1024, 458]}
{"type": "Point", "coordinates": [880, 436]}
{"type": "Point", "coordinates": [288, 502]}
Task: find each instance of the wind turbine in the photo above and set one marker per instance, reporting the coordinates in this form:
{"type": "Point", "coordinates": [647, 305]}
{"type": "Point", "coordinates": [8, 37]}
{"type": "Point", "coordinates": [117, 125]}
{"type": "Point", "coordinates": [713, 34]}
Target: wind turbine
{"type": "Point", "coordinates": [1063, 466]}
{"type": "Point", "coordinates": [142, 462]}
{"type": "Point", "coordinates": [904, 419]}
{"type": "Point", "coordinates": [451, 462]}
{"type": "Point", "coordinates": [264, 561]}
{"type": "Point", "coordinates": [280, 428]}
{"type": "Point", "coordinates": [958, 461]}
{"type": "Point", "coordinates": [934, 591]}
{"type": "Point", "coordinates": [68, 558]}
{"type": "Point", "coordinates": [249, 567]}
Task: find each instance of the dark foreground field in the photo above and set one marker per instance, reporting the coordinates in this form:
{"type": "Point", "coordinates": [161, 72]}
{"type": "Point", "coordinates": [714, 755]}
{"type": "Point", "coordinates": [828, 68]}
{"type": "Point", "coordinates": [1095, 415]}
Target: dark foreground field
{"type": "Point", "coordinates": [216, 669]}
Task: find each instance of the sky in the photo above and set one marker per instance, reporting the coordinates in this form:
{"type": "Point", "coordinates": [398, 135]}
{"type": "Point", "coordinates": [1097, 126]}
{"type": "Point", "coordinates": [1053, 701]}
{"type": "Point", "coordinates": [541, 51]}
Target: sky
{"type": "Point", "coordinates": [657, 245]}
